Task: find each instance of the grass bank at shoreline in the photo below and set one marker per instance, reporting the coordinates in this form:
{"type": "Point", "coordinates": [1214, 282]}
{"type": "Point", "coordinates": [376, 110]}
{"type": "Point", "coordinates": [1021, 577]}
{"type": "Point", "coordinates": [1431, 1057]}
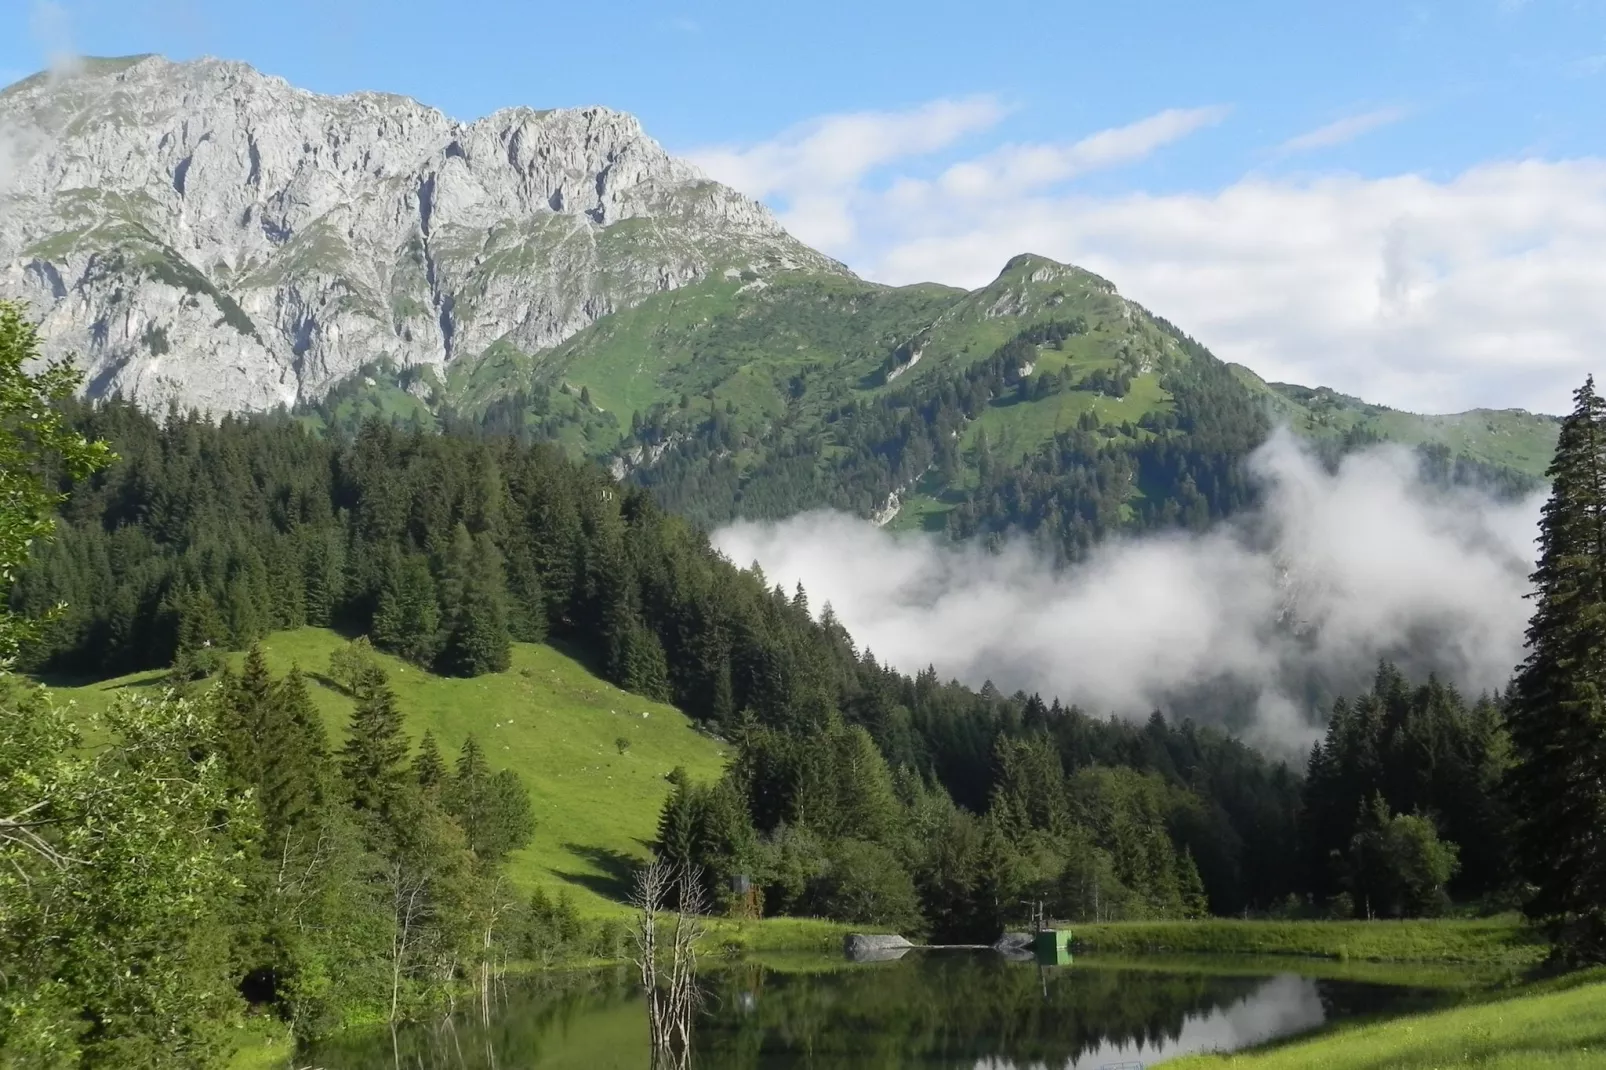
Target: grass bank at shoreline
{"type": "Point", "coordinates": [1553, 1025]}
{"type": "Point", "coordinates": [1499, 941]}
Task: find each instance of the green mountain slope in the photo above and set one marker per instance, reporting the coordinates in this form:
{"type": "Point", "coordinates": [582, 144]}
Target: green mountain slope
{"type": "Point", "coordinates": [596, 803]}
{"type": "Point", "coordinates": [1503, 438]}
{"type": "Point", "coordinates": [1044, 401]}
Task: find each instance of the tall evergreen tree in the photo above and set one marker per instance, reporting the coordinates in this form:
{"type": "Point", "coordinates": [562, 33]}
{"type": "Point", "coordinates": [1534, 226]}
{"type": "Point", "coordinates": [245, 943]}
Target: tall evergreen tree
{"type": "Point", "coordinates": [407, 620]}
{"type": "Point", "coordinates": [1558, 706]}
{"type": "Point", "coordinates": [474, 599]}
{"type": "Point", "coordinates": [468, 796]}
{"type": "Point", "coordinates": [374, 760]}
{"type": "Point", "coordinates": [428, 768]}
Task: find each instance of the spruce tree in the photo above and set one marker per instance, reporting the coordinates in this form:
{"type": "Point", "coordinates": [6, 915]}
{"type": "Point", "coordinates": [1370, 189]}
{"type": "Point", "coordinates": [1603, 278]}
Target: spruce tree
{"type": "Point", "coordinates": [474, 600]}
{"type": "Point", "coordinates": [428, 768]}
{"type": "Point", "coordinates": [374, 760]}
{"type": "Point", "coordinates": [1558, 705]}
{"type": "Point", "coordinates": [468, 794]}
{"type": "Point", "coordinates": [408, 620]}
{"type": "Point", "coordinates": [202, 635]}
{"type": "Point", "coordinates": [245, 709]}
{"type": "Point", "coordinates": [678, 821]}
{"type": "Point", "coordinates": [295, 752]}
{"type": "Point", "coordinates": [510, 821]}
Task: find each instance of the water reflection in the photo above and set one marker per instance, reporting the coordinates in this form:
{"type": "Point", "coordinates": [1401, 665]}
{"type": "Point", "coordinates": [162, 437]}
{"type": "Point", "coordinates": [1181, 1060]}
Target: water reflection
{"type": "Point", "coordinates": [959, 1011]}
{"type": "Point", "coordinates": [1282, 1006]}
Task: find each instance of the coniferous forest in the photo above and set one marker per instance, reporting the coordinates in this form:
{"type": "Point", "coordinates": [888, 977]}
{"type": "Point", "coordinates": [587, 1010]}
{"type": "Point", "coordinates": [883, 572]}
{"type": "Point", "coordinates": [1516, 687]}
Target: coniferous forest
{"type": "Point", "coordinates": [228, 844]}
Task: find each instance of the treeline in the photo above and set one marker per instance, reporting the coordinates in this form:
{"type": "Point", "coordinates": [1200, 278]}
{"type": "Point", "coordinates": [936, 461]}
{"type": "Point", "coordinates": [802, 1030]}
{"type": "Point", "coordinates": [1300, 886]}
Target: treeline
{"type": "Point", "coordinates": [1405, 802]}
{"type": "Point", "coordinates": [443, 549]}
{"type": "Point", "coordinates": [821, 826]}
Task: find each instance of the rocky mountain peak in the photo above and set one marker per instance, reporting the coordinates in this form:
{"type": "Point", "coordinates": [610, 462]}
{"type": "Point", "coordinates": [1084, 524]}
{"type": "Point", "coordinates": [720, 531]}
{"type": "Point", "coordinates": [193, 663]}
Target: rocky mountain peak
{"type": "Point", "coordinates": [203, 233]}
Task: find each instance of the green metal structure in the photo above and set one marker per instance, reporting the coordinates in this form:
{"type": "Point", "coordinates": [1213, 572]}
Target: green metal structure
{"type": "Point", "coordinates": [1052, 947]}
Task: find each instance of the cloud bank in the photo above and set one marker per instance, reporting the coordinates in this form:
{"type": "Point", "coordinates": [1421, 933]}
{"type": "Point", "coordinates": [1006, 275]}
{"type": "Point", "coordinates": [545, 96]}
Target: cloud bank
{"type": "Point", "coordinates": [1255, 625]}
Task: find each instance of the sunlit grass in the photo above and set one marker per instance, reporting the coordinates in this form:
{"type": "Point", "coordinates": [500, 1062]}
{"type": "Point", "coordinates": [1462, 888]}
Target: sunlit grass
{"type": "Point", "coordinates": [1554, 1030]}
{"type": "Point", "coordinates": [596, 800]}
{"type": "Point", "coordinates": [1503, 941]}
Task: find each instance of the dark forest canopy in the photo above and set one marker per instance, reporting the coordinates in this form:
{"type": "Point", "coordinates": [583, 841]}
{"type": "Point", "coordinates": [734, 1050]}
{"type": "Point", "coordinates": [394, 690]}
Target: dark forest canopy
{"type": "Point", "coordinates": [443, 548]}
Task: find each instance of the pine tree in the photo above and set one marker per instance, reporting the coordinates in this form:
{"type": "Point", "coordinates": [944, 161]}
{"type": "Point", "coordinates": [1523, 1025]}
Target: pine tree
{"type": "Point", "coordinates": [374, 760]}
{"type": "Point", "coordinates": [293, 778]}
{"type": "Point", "coordinates": [492, 809]}
{"type": "Point", "coordinates": [868, 805]}
{"type": "Point", "coordinates": [474, 600]}
{"type": "Point", "coordinates": [202, 636]}
{"type": "Point", "coordinates": [408, 620]}
{"type": "Point", "coordinates": [1558, 707]}
{"type": "Point", "coordinates": [468, 794]}
{"type": "Point", "coordinates": [678, 821]}
{"type": "Point", "coordinates": [428, 768]}
{"type": "Point", "coordinates": [512, 821]}
{"type": "Point", "coordinates": [644, 668]}
{"type": "Point", "coordinates": [242, 719]}
{"type": "Point", "coordinates": [1195, 903]}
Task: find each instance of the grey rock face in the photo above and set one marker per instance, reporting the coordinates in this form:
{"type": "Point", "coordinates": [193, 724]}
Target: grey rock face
{"type": "Point", "coordinates": [204, 234]}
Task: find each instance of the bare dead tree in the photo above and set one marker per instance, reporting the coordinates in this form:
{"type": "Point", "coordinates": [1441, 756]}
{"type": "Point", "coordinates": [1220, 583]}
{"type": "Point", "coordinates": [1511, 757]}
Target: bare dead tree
{"type": "Point", "coordinates": [491, 971]}
{"type": "Point", "coordinates": [672, 1000]}
{"type": "Point", "coordinates": [408, 905]}
{"type": "Point", "coordinates": [684, 995]}
{"type": "Point", "coordinates": [648, 898]}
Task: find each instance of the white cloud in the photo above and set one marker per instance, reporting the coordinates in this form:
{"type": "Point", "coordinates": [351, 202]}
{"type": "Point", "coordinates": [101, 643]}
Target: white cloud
{"type": "Point", "coordinates": [817, 172]}
{"type": "Point", "coordinates": [1332, 573]}
{"type": "Point", "coordinates": [1434, 294]}
{"type": "Point", "coordinates": [52, 31]}
{"type": "Point", "coordinates": [835, 152]}
{"type": "Point", "coordinates": [1015, 168]}
{"type": "Point", "coordinates": [1479, 290]}
{"type": "Point", "coordinates": [1344, 130]}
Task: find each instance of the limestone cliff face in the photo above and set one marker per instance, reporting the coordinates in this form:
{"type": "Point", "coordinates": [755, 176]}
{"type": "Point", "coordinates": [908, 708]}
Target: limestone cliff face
{"type": "Point", "coordinates": [203, 233]}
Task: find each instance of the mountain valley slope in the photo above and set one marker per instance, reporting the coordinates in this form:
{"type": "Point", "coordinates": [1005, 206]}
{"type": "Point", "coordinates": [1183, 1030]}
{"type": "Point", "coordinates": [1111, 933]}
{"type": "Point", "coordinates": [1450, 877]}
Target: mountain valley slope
{"type": "Point", "coordinates": [203, 235]}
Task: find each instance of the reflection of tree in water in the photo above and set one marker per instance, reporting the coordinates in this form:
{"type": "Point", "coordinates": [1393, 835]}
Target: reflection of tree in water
{"type": "Point", "coordinates": [935, 1010]}
{"type": "Point", "coordinates": [538, 1014]}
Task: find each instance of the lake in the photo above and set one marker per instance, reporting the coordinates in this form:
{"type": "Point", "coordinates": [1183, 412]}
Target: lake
{"type": "Point", "coordinates": [971, 1010]}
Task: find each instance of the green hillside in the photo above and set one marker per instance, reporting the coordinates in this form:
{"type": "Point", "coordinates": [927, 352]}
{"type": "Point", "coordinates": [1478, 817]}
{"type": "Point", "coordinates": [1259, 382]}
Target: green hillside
{"type": "Point", "coordinates": [548, 718]}
{"type": "Point", "coordinates": [1043, 402]}
{"type": "Point", "coordinates": [1506, 438]}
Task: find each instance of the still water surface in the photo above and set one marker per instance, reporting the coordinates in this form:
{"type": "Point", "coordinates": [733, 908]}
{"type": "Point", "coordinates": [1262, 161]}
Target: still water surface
{"type": "Point", "coordinates": [968, 1011]}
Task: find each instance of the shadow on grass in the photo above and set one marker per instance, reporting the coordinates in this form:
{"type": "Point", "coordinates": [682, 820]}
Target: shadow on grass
{"type": "Point", "coordinates": [617, 876]}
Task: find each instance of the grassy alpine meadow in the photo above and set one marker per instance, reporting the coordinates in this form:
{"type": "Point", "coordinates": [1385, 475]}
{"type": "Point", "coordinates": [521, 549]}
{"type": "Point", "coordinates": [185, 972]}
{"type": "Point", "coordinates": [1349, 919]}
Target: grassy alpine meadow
{"type": "Point", "coordinates": [593, 757]}
{"type": "Point", "coordinates": [1556, 1026]}
{"type": "Point", "coordinates": [1498, 941]}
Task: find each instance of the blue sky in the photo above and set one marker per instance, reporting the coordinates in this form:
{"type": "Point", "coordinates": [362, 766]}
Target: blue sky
{"type": "Point", "coordinates": [1325, 191]}
{"type": "Point", "coordinates": [1471, 78]}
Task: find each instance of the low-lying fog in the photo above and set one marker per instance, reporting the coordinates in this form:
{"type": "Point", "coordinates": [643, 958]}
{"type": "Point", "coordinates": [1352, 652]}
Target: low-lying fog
{"type": "Point", "coordinates": [1255, 624]}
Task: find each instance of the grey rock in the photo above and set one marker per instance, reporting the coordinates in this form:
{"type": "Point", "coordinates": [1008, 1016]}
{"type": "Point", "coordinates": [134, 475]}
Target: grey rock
{"type": "Point", "coordinates": [204, 234]}
{"type": "Point", "coordinates": [1013, 942]}
{"type": "Point", "coordinates": [861, 947]}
